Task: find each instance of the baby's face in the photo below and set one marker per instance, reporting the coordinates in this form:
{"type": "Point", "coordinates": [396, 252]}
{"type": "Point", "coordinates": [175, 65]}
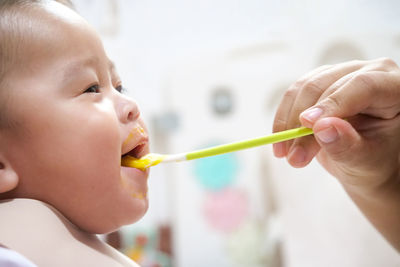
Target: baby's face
{"type": "Point", "coordinates": [74, 126]}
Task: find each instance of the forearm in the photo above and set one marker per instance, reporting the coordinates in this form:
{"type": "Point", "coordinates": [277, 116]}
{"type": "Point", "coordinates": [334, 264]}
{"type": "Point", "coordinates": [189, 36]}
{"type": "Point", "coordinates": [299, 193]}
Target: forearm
{"type": "Point", "coordinates": [382, 208]}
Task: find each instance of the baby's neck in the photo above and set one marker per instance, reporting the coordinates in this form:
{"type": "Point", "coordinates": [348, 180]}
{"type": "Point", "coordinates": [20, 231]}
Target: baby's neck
{"type": "Point", "coordinates": [43, 235]}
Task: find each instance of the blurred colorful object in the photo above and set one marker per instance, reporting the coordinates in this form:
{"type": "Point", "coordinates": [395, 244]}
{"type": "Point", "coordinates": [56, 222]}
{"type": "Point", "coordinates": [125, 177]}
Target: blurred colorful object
{"type": "Point", "coordinates": [136, 252]}
{"type": "Point", "coordinates": [222, 101]}
{"type": "Point", "coordinates": [217, 172]}
{"type": "Point", "coordinates": [151, 247]}
{"type": "Point", "coordinates": [246, 245]}
{"type": "Point", "coordinates": [225, 210]}
{"type": "Point", "coordinates": [256, 243]}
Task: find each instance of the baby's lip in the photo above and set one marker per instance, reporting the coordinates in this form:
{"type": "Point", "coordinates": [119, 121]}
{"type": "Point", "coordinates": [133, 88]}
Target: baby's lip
{"type": "Point", "coordinates": [136, 149]}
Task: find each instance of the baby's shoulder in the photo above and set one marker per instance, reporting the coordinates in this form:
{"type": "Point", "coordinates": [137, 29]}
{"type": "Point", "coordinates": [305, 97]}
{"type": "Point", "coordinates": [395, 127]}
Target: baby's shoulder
{"type": "Point", "coordinates": [30, 217]}
{"type": "Point", "coordinates": [47, 238]}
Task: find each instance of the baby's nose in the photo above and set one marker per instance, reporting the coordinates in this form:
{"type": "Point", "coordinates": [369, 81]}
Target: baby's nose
{"type": "Point", "coordinates": [129, 110]}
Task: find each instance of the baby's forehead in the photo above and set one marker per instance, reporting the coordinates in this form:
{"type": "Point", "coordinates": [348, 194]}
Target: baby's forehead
{"type": "Point", "coordinates": [46, 10]}
{"type": "Point", "coordinates": [50, 32]}
{"type": "Point", "coordinates": [37, 22]}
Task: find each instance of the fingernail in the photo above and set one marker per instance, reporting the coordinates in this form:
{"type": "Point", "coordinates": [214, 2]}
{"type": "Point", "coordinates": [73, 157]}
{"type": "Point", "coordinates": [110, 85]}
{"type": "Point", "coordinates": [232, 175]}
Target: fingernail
{"type": "Point", "coordinates": [297, 155]}
{"type": "Point", "coordinates": [279, 150]}
{"type": "Point", "coordinates": [328, 135]}
{"type": "Point", "coordinates": [312, 115]}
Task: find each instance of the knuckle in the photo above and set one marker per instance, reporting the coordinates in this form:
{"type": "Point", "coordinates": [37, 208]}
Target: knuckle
{"type": "Point", "coordinates": [339, 153]}
{"type": "Point", "coordinates": [342, 152]}
{"type": "Point", "coordinates": [388, 62]}
{"type": "Point", "coordinates": [290, 93]}
{"type": "Point", "coordinates": [332, 103]}
{"type": "Point", "coordinates": [365, 79]}
{"type": "Point", "coordinates": [388, 114]}
{"type": "Point", "coordinates": [313, 87]}
{"type": "Point", "coordinates": [297, 85]}
{"type": "Point", "coordinates": [308, 143]}
{"type": "Point", "coordinates": [384, 64]}
{"type": "Point", "coordinates": [279, 124]}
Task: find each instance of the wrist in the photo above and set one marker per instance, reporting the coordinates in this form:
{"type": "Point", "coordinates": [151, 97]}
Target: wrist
{"type": "Point", "coordinates": [385, 188]}
{"type": "Point", "coordinates": [381, 207]}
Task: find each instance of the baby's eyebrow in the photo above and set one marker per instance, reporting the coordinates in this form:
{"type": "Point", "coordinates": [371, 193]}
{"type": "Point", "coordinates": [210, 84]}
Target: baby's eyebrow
{"type": "Point", "coordinates": [77, 66]}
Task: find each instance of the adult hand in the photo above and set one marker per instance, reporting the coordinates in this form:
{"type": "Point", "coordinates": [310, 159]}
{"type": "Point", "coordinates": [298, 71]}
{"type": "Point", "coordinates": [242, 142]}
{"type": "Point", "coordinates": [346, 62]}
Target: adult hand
{"type": "Point", "coordinates": [354, 111]}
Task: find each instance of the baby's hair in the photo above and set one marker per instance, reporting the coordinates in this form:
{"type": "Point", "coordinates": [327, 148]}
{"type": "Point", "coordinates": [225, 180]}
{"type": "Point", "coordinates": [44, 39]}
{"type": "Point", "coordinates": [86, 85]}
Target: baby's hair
{"type": "Point", "coordinates": [11, 40]}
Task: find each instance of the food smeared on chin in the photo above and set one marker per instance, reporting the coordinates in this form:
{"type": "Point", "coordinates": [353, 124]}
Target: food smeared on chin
{"type": "Point", "coordinates": [137, 130]}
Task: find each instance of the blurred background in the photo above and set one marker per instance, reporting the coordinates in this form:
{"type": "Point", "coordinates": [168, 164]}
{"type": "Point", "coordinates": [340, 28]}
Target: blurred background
{"type": "Point", "coordinates": [213, 71]}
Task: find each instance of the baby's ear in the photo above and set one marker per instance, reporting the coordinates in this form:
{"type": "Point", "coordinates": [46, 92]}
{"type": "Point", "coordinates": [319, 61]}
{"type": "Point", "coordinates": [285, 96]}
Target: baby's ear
{"type": "Point", "coordinates": [8, 177]}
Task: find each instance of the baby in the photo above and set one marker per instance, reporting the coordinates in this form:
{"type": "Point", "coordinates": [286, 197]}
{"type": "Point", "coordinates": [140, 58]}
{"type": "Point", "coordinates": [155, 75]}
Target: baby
{"type": "Point", "coordinates": [64, 126]}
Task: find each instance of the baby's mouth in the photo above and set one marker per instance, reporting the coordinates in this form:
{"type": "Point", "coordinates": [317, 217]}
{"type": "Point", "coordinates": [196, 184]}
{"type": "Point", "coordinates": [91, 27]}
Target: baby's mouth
{"type": "Point", "coordinates": [134, 180]}
{"type": "Point", "coordinates": [138, 151]}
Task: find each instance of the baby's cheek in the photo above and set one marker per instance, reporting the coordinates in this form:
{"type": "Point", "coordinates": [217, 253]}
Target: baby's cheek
{"type": "Point", "coordinates": [101, 133]}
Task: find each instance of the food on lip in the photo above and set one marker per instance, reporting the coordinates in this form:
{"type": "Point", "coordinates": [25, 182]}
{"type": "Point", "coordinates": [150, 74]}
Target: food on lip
{"type": "Point", "coordinates": [135, 131]}
{"type": "Point", "coordinates": [140, 195]}
{"type": "Point", "coordinates": [126, 141]}
{"type": "Point", "coordinates": [142, 163]}
{"type": "Point", "coordinates": [139, 129]}
{"type": "Point", "coordinates": [136, 135]}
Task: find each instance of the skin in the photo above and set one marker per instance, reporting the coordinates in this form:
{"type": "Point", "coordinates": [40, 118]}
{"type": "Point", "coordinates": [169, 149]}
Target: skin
{"type": "Point", "coordinates": [363, 150]}
{"type": "Point", "coordinates": [73, 125]}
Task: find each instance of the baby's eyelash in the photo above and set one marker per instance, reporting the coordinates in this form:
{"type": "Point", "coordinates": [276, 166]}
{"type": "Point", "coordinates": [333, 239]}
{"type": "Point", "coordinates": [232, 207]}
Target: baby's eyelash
{"type": "Point", "coordinates": [93, 89]}
{"type": "Point", "coordinates": [121, 89]}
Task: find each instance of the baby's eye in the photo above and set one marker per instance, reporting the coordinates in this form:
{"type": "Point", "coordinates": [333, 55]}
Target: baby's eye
{"type": "Point", "coordinates": [93, 89]}
{"type": "Point", "coordinates": [120, 89]}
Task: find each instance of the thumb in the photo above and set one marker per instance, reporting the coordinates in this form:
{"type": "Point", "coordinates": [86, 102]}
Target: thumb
{"type": "Point", "coordinates": [338, 139]}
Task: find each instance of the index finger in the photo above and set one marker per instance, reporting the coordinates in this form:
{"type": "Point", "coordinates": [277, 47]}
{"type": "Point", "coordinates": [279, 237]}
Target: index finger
{"type": "Point", "coordinates": [286, 105]}
{"type": "Point", "coordinates": [375, 93]}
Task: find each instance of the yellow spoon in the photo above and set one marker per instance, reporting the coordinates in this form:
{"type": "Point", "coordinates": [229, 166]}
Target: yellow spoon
{"type": "Point", "coordinates": [153, 159]}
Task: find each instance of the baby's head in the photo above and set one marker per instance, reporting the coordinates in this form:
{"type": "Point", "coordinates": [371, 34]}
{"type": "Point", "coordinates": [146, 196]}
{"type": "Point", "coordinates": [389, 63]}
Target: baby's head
{"type": "Point", "coordinates": [64, 123]}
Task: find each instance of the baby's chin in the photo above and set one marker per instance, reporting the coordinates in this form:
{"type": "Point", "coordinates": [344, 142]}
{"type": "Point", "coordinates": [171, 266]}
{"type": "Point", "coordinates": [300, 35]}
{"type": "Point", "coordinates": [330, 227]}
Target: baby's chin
{"type": "Point", "coordinates": [113, 221]}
